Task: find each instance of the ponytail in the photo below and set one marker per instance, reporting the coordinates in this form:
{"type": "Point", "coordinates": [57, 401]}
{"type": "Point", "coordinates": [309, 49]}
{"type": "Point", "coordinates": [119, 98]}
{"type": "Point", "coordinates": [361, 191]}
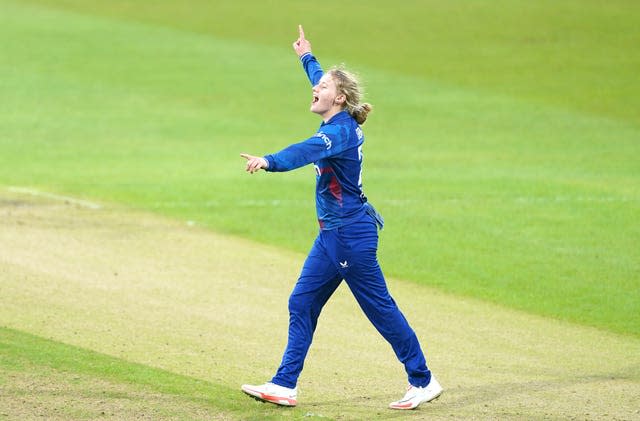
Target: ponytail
{"type": "Point", "coordinates": [360, 112]}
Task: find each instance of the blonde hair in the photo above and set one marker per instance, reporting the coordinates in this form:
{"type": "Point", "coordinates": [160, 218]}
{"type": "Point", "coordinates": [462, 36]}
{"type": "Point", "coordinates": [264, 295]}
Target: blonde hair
{"type": "Point", "coordinates": [348, 85]}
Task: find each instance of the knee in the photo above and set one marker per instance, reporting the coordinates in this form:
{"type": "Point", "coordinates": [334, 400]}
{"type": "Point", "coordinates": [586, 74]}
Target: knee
{"type": "Point", "coordinates": [298, 304]}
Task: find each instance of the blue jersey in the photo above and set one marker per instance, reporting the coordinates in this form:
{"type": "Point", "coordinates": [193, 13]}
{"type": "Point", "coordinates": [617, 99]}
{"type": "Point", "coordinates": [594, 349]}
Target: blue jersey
{"type": "Point", "coordinates": [336, 152]}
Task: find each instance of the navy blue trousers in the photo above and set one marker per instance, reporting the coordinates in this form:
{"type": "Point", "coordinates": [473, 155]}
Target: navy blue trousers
{"type": "Point", "coordinates": [347, 253]}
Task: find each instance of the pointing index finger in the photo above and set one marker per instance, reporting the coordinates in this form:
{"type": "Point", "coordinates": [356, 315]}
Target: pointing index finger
{"type": "Point", "coordinates": [301, 31]}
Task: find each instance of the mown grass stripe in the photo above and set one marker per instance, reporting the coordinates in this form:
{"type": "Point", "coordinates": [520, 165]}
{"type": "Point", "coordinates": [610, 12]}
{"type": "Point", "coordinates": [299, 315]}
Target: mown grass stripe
{"type": "Point", "coordinates": [24, 352]}
{"type": "Point", "coordinates": [20, 347]}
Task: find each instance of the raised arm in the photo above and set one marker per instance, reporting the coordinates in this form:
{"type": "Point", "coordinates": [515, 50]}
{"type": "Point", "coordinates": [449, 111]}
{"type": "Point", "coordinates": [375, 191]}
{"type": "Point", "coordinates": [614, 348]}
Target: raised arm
{"type": "Point", "coordinates": [302, 47]}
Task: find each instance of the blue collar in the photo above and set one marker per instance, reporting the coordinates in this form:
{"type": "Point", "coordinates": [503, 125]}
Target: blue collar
{"type": "Point", "coordinates": [339, 116]}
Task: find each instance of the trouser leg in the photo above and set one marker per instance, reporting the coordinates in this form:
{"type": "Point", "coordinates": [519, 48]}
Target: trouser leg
{"type": "Point", "coordinates": [371, 293]}
{"type": "Point", "coordinates": [317, 282]}
{"type": "Point", "coordinates": [366, 281]}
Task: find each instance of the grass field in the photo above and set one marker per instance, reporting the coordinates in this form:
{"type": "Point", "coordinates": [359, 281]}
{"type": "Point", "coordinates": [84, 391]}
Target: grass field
{"type": "Point", "coordinates": [114, 314]}
{"type": "Point", "coordinates": [503, 153]}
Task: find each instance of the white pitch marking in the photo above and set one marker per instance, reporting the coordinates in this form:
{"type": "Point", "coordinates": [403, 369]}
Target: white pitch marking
{"type": "Point", "coordinates": [34, 192]}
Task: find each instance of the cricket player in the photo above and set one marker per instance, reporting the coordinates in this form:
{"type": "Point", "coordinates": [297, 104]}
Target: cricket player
{"type": "Point", "coordinates": [347, 243]}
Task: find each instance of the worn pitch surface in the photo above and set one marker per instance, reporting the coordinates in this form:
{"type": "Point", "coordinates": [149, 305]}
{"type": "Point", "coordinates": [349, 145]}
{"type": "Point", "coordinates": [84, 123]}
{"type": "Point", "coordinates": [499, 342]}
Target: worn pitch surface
{"type": "Point", "coordinates": [172, 296]}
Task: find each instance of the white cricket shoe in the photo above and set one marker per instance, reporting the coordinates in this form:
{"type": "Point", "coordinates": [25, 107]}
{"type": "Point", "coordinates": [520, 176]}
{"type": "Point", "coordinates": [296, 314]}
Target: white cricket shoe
{"type": "Point", "coordinates": [273, 393]}
{"type": "Point", "coordinates": [417, 395]}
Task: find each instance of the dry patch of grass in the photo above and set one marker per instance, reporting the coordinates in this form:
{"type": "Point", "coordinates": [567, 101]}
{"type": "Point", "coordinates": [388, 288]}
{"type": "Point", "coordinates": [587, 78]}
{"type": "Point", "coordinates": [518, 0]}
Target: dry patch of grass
{"type": "Point", "coordinates": [163, 294]}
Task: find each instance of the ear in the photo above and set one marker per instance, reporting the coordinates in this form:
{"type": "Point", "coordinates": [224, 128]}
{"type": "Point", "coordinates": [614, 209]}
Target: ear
{"type": "Point", "coordinates": [340, 99]}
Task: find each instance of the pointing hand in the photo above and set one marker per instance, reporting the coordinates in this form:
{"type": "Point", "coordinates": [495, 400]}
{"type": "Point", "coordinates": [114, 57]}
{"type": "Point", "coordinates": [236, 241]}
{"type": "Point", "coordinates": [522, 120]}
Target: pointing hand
{"type": "Point", "coordinates": [254, 163]}
{"type": "Point", "coordinates": [301, 45]}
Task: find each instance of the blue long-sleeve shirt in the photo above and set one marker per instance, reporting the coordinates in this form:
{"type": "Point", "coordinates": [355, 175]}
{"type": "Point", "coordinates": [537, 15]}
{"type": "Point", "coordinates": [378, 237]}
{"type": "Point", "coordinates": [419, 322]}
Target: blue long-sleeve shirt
{"type": "Point", "coordinates": [336, 152]}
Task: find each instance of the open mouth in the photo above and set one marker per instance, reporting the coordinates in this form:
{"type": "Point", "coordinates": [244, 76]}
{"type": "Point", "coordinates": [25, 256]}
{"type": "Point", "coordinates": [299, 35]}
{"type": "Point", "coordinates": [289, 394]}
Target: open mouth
{"type": "Point", "coordinates": [315, 99]}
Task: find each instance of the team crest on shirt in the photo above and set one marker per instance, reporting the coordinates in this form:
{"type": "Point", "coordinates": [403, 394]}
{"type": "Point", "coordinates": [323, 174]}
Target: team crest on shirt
{"type": "Point", "coordinates": [325, 139]}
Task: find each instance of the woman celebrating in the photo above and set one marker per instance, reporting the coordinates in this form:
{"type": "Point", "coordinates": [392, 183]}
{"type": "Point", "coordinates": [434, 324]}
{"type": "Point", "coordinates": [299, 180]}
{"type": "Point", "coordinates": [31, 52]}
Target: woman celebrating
{"type": "Point", "coordinates": [346, 246]}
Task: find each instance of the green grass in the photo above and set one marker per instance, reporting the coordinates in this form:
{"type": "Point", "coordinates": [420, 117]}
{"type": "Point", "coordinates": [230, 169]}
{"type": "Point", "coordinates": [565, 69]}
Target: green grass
{"type": "Point", "coordinates": [572, 53]}
{"type": "Point", "coordinates": [88, 376]}
{"type": "Point", "coordinates": [503, 150]}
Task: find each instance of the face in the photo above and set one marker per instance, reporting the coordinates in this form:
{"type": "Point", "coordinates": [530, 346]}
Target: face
{"type": "Point", "coordinates": [326, 100]}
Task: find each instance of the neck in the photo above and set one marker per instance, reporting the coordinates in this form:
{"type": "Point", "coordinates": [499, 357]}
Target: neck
{"type": "Point", "coordinates": [330, 113]}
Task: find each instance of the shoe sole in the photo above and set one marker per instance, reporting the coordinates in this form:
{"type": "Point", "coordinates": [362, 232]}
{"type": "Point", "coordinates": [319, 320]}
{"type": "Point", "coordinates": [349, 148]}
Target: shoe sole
{"type": "Point", "coordinates": [263, 397]}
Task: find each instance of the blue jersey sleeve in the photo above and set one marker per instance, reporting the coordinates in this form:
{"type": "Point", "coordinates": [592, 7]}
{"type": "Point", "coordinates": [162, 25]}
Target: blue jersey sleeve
{"type": "Point", "coordinates": [312, 68]}
{"type": "Point", "coordinates": [325, 143]}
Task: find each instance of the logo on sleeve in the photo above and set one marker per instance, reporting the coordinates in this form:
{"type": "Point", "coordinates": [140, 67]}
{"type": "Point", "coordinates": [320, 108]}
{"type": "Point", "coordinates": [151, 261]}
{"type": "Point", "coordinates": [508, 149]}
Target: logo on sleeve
{"type": "Point", "coordinates": [325, 139]}
{"type": "Point", "coordinates": [359, 133]}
